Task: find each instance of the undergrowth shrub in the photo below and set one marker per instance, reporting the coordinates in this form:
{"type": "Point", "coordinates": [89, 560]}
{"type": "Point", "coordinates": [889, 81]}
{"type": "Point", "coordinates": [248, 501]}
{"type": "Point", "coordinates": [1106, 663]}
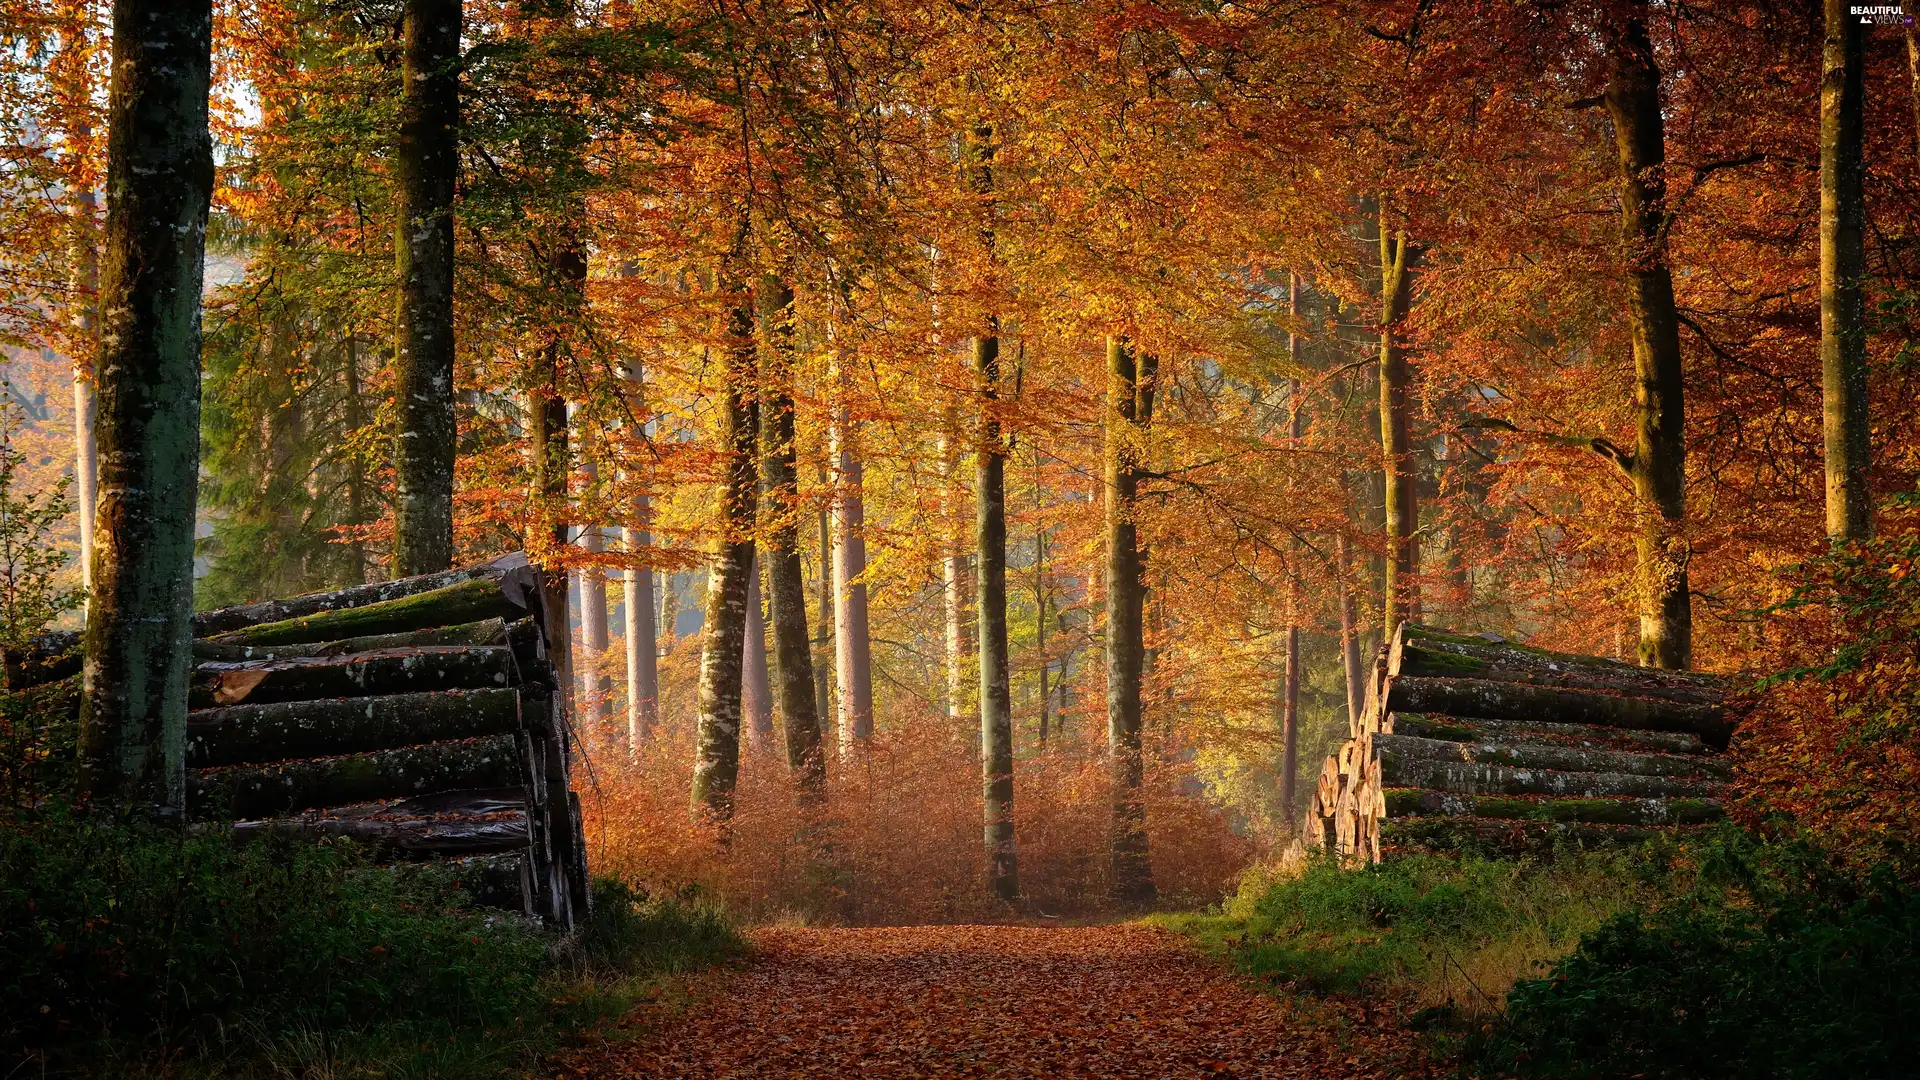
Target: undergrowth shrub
{"type": "Point", "coordinates": [1779, 962]}
{"type": "Point", "coordinates": [1431, 929]}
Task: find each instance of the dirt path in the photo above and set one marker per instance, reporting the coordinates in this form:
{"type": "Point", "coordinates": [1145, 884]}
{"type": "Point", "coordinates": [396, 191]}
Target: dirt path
{"type": "Point", "coordinates": [993, 1001]}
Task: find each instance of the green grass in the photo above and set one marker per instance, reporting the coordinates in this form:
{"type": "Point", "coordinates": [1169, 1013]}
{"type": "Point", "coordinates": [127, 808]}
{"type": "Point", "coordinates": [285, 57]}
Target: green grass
{"type": "Point", "coordinates": [146, 953]}
{"type": "Point", "coordinates": [1427, 929]}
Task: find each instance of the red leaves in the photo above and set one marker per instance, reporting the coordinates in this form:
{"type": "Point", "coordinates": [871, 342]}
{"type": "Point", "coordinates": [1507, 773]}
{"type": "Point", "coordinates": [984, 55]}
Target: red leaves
{"type": "Point", "coordinates": [994, 1001]}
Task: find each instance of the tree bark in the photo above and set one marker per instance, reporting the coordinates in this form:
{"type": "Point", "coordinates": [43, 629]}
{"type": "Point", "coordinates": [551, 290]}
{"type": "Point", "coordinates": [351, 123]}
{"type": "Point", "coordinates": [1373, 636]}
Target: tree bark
{"type": "Point", "coordinates": [1551, 756]}
{"type": "Point", "coordinates": [426, 163]}
{"type": "Point", "coordinates": [642, 633]}
{"type": "Point", "coordinates": [1350, 665]}
{"type": "Point", "coordinates": [786, 587]}
{"type": "Point", "coordinates": [511, 571]}
{"type": "Point", "coordinates": [1397, 467]}
{"type": "Point", "coordinates": [282, 730]}
{"type": "Point", "coordinates": [1408, 802]}
{"type": "Point", "coordinates": [1658, 463]}
{"type": "Point", "coordinates": [852, 645]}
{"type": "Point", "coordinates": [384, 671]}
{"type": "Point", "coordinates": [1129, 411]}
{"type": "Point", "coordinates": [256, 791]}
{"type": "Point", "coordinates": [1845, 422]}
{"type": "Point", "coordinates": [756, 680]}
{"type": "Point", "coordinates": [953, 580]}
{"type": "Point", "coordinates": [405, 838]}
{"type": "Point", "coordinates": [1290, 677]}
{"type": "Point", "coordinates": [1485, 699]}
{"type": "Point", "coordinates": [84, 324]}
{"type": "Point", "coordinates": [1419, 651]}
{"type": "Point", "coordinates": [1040, 606]}
{"type": "Point", "coordinates": [482, 632]}
{"type": "Point", "coordinates": [716, 767]}
{"type": "Point", "coordinates": [1474, 779]}
{"type": "Point", "coordinates": [823, 659]}
{"type": "Point", "coordinates": [593, 617]}
{"type": "Point", "coordinates": [147, 375]}
{"type": "Point", "coordinates": [1460, 729]}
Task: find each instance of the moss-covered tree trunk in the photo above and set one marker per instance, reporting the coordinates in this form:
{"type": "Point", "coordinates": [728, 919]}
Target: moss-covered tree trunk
{"type": "Point", "coordinates": [1397, 468]}
{"type": "Point", "coordinates": [1843, 262]}
{"type": "Point", "coordinates": [716, 767]}
{"type": "Point", "coordinates": [1658, 463]}
{"type": "Point", "coordinates": [786, 586]}
{"type": "Point", "coordinates": [1129, 411]}
{"type": "Point", "coordinates": [147, 378]}
{"type": "Point", "coordinates": [425, 163]}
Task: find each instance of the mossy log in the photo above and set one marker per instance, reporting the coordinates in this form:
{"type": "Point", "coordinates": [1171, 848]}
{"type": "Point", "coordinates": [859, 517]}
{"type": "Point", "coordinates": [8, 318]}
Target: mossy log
{"type": "Point", "coordinates": [466, 601]}
{"type": "Point", "coordinates": [1525, 702]}
{"type": "Point", "coordinates": [277, 731]}
{"type": "Point", "coordinates": [1508, 838]}
{"type": "Point", "coordinates": [483, 632]}
{"type": "Point", "coordinates": [1528, 755]}
{"type": "Point", "coordinates": [1465, 779]}
{"type": "Point", "coordinates": [381, 671]}
{"type": "Point", "coordinates": [50, 657]}
{"type": "Point", "coordinates": [409, 838]}
{"type": "Point", "coordinates": [1413, 802]}
{"type": "Point", "coordinates": [511, 570]}
{"type": "Point", "coordinates": [1468, 729]}
{"type": "Point", "coordinates": [259, 791]}
{"type": "Point", "coordinates": [499, 881]}
{"type": "Point", "coordinates": [1423, 652]}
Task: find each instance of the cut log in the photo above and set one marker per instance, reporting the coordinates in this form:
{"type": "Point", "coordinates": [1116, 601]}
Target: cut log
{"type": "Point", "coordinates": [1529, 703]}
{"type": "Point", "coordinates": [512, 571]}
{"type": "Point", "coordinates": [1412, 802]}
{"type": "Point", "coordinates": [409, 838]}
{"type": "Point", "coordinates": [498, 881]}
{"type": "Point", "coordinates": [1465, 729]}
{"type": "Point", "coordinates": [1508, 838]}
{"type": "Point", "coordinates": [1462, 779]}
{"type": "Point", "coordinates": [381, 671]}
{"type": "Point", "coordinates": [255, 733]}
{"type": "Point", "coordinates": [1528, 755]}
{"type": "Point", "coordinates": [467, 601]}
{"type": "Point", "coordinates": [1418, 651]}
{"type": "Point", "coordinates": [50, 657]}
{"type": "Point", "coordinates": [484, 632]}
{"type": "Point", "coordinates": [251, 791]}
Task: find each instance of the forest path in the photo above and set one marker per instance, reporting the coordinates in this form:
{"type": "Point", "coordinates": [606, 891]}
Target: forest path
{"type": "Point", "coordinates": [1001, 1002]}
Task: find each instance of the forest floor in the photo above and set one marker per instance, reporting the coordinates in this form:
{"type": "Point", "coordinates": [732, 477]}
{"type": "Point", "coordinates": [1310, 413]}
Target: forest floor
{"type": "Point", "coordinates": [1007, 1002]}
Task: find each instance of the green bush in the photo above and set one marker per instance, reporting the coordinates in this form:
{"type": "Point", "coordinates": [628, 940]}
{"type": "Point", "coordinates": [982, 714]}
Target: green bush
{"type": "Point", "coordinates": [134, 933]}
{"type": "Point", "coordinates": [1776, 965]}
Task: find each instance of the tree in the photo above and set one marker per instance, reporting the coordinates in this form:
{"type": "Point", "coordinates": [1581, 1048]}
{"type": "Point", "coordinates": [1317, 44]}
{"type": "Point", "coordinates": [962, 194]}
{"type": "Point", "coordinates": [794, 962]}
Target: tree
{"type": "Point", "coordinates": [716, 767]}
{"type": "Point", "coordinates": [133, 719]}
{"type": "Point", "coordinates": [642, 631]}
{"type": "Point", "coordinates": [1658, 463]}
{"type": "Point", "coordinates": [853, 664]}
{"type": "Point", "coordinates": [1130, 393]}
{"type": "Point", "coordinates": [1396, 459]}
{"type": "Point", "coordinates": [786, 585]}
{"type": "Point", "coordinates": [426, 165]}
{"type": "Point", "coordinates": [1843, 315]}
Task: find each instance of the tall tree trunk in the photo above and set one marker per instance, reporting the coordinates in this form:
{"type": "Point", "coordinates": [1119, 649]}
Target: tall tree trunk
{"type": "Point", "coordinates": [1290, 679]}
{"type": "Point", "coordinates": [1658, 463]}
{"type": "Point", "coordinates": [852, 647]}
{"type": "Point", "coordinates": [1040, 622]}
{"type": "Point", "coordinates": [133, 713]}
{"type": "Point", "coordinates": [83, 324]}
{"type": "Point", "coordinates": [717, 762]}
{"type": "Point", "coordinates": [990, 567]}
{"type": "Point", "coordinates": [593, 614]}
{"type": "Point", "coordinates": [953, 579]}
{"type": "Point", "coordinates": [425, 164]}
{"type": "Point", "coordinates": [1350, 634]}
{"type": "Point", "coordinates": [1397, 469]}
{"type": "Point", "coordinates": [1129, 411]}
{"type": "Point", "coordinates": [642, 633]}
{"type": "Point", "coordinates": [1843, 261]}
{"type": "Point", "coordinates": [356, 466]}
{"type": "Point", "coordinates": [786, 585]}
{"type": "Point", "coordinates": [756, 681]}
{"type": "Point", "coordinates": [823, 657]}
{"type": "Point", "coordinates": [546, 536]}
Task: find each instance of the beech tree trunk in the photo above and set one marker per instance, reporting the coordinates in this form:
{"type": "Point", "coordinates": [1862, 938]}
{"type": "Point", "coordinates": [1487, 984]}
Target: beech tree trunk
{"type": "Point", "coordinates": [786, 587]}
{"type": "Point", "coordinates": [1290, 678]}
{"type": "Point", "coordinates": [426, 163]}
{"type": "Point", "coordinates": [595, 685]}
{"type": "Point", "coordinates": [716, 767]}
{"type": "Point", "coordinates": [147, 375]}
{"type": "Point", "coordinates": [1658, 463]}
{"type": "Point", "coordinates": [1396, 459]}
{"type": "Point", "coordinates": [852, 647]}
{"type": "Point", "coordinates": [83, 323]}
{"type": "Point", "coordinates": [1129, 412]}
{"type": "Point", "coordinates": [1356, 675]}
{"type": "Point", "coordinates": [480, 632]}
{"type": "Point", "coordinates": [642, 633]}
{"type": "Point", "coordinates": [953, 581]}
{"type": "Point", "coordinates": [990, 564]}
{"type": "Point", "coordinates": [1843, 261]}
{"type": "Point", "coordinates": [823, 657]}
{"type": "Point", "coordinates": [219, 683]}
{"type": "Point", "coordinates": [756, 680]}
{"type": "Point", "coordinates": [1040, 606]}
{"type": "Point", "coordinates": [282, 730]}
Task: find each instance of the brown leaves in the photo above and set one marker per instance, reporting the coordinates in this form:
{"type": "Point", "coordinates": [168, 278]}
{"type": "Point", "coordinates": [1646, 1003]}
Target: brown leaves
{"type": "Point", "coordinates": [995, 1001]}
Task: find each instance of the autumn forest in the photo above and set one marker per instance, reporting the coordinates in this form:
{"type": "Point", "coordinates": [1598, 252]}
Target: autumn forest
{"type": "Point", "coordinates": [726, 538]}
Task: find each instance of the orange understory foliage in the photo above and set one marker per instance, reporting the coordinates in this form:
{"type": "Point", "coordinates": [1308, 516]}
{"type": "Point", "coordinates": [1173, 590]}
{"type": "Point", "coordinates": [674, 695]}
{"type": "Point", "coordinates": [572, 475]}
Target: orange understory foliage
{"type": "Point", "coordinates": [1835, 747]}
{"type": "Point", "coordinates": [899, 839]}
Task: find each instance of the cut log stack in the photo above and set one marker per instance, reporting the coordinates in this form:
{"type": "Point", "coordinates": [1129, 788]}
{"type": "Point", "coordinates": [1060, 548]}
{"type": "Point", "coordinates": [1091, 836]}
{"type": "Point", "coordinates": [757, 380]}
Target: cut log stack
{"type": "Point", "coordinates": [420, 716]}
{"type": "Point", "coordinates": [1478, 739]}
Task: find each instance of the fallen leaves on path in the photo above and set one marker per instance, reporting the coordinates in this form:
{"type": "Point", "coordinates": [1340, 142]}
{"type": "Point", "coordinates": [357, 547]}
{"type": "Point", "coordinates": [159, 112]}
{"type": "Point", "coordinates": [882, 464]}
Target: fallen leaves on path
{"type": "Point", "coordinates": [1006, 1002]}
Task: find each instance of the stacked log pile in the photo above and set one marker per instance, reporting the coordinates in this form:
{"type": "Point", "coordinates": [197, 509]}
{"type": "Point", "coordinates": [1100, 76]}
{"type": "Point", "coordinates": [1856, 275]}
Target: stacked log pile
{"type": "Point", "coordinates": [419, 716]}
{"type": "Point", "coordinates": [1474, 738]}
